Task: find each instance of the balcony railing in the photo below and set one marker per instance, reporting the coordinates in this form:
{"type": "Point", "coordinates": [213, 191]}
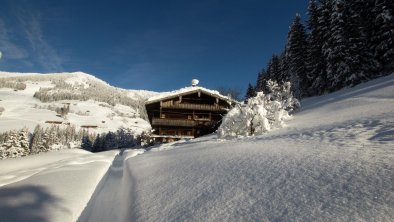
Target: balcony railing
{"type": "Point", "coordinates": [193, 106]}
{"type": "Point", "coordinates": [180, 122]}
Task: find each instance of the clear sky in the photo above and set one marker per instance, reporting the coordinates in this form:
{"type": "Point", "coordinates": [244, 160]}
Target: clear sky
{"type": "Point", "coordinates": [154, 45]}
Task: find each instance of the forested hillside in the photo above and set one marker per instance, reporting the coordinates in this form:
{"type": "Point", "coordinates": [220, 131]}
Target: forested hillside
{"type": "Point", "coordinates": [341, 44]}
{"type": "Point", "coordinates": [42, 112]}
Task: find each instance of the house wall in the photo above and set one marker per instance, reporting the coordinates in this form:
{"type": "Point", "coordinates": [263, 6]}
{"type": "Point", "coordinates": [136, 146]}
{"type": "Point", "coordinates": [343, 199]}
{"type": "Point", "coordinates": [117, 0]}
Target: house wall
{"type": "Point", "coordinates": [194, 115]}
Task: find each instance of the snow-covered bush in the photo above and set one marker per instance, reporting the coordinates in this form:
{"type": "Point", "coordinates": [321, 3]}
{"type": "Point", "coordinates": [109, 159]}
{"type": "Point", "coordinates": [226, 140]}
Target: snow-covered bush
{"type": "Point", "coordinates": [282, 93]}
{"type": "Point", "coordinates": [261, 113]}
{"type": "Point", "coordinates": [1, 110]}
{"type": "Point", "coordinates": [16, 85]}
{"type": "Point", "coordinates": [20, 86]}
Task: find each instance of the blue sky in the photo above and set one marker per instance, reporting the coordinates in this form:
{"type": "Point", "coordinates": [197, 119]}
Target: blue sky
{"type": "Point", "coordinates": [146, 44]}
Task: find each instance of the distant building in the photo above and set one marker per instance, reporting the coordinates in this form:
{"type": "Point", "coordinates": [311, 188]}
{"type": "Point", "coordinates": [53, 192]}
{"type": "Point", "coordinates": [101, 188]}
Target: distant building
{"type": "Point", "coordinates": [187, 113]}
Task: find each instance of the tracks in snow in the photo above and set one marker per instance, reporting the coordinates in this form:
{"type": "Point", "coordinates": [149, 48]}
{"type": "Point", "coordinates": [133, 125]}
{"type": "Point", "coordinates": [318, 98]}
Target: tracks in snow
{"type": "Point", "coordinates": [111, 199]}
{"type": "Point", "coordinates": [107, 196]}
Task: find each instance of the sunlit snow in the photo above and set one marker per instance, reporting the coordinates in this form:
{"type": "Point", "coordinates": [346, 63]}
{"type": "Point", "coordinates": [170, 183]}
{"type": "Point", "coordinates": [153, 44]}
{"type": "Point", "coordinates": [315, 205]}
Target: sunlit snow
{"type": "Point", "coordinates": [333, 162]}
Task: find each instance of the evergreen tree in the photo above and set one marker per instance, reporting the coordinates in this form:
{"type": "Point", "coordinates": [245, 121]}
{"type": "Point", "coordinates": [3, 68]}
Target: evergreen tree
{"type": "Point", "coordinates": [46, 140]}
{"type": "Point", "coordinates": [324, 23]}
{"type": "Point", "coordinates": [36, 145]}
{"type": "Point", "coordinates": [358, 33]}
{"type": "Point", "coordinates": [261, 79]}
{"type": "Point", "coordinates": [284, 68]}
{"type": "Point", "coordinates": [110, 141]}
{"type": "Point", "coordinates": [250, 92]}
{"type": "Point", "coordinates": [338, 56]}
{"type": "Point", "coordinates": [348, 42]}
{"type": "Point", "coordinates": [296, 53]}
{"type": "Point", "coordinates": [98, 145]}
{"type": "Point", "coordinates": [383, 36]}
{"type": "Point", "coordinates": [24, 141]}
{"type": "Point", "coordinates": [86, 143]}
{"type": "Point", "coordinates": [125, 138]}
{"type": "Point", "coordinates": [70, 134]}
{"type": "Point", "coordinates": [16, 144]}
{"type": "Point", "coordinates": [273, 69]}
{"type": "Point", "coordinates": [315, 62]}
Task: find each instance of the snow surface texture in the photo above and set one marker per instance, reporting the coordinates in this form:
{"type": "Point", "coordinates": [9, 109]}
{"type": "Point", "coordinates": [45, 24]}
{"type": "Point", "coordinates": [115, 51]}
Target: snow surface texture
{"type": "Point", "coordinates": [334, 162]}
{"type": "Point", "coordinates": [54, 186]}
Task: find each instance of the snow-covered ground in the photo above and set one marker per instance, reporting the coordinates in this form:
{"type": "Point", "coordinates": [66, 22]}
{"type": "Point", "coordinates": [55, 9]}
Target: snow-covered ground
{"type": "Point", "coordinates": [53, 186]}
{"type": "Point", "coordinates": [21, 109]}
{"type": "Point", "coordinates": [333, 162]}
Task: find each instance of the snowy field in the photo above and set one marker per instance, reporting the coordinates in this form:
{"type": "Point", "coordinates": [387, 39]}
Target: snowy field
{"type": "Point", "coordinates": [333, 162]}
{"type": "Point", "coordinates": [52, 186]}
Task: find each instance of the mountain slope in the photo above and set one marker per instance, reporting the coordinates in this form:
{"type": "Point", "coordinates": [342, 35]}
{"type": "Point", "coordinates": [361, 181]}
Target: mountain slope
{"type": "Point", "coordinates": [334, 161]}
{"type": "Point", "coordinates": [92, 102]}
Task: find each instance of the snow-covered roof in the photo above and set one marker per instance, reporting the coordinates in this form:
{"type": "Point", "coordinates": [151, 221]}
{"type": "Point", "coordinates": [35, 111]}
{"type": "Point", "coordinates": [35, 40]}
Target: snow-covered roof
{"type": "Point", "coordinates": [187, 91]}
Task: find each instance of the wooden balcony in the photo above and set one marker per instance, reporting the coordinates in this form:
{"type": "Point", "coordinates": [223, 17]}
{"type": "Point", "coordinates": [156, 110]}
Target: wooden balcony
{"type": "Point", "coordinates": [205, 107]}
{"type": "Point", "coordinates": [181, 122]}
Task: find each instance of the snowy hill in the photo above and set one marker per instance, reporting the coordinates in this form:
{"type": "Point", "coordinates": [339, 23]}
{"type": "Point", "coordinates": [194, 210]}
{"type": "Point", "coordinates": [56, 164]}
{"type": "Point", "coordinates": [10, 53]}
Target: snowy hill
{"type": "Point", "coordinates": [92, 102]}
{"type": "Point", "coordinates": [333, 162]}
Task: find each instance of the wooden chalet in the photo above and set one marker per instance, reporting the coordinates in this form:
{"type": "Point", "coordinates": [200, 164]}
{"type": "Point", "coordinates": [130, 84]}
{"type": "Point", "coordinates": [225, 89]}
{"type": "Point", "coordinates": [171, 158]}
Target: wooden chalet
{"type": "Point", "coordinates": [188, 113]}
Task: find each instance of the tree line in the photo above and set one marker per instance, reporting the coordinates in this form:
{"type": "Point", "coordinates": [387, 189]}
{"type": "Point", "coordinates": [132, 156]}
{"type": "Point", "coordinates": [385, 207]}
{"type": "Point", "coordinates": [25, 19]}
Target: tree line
{"type": "Point", "coordinates": [343, 43]}
{"type": "Point", "coordinates": [18, 143]}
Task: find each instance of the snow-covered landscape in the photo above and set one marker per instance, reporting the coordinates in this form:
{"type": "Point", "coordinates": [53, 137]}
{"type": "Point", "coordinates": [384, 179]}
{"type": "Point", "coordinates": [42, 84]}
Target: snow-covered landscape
{"type": "Point", "coordinates": [86, 96]}
{"type": "Point", "coordinates": [333, 161]}
{"type": "Point", "coordinates": [289, 114]}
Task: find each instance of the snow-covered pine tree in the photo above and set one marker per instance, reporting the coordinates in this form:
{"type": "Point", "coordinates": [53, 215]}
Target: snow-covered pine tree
{"type": "Point", "coordinates": [358, 33]}
{"type": "Point", "coordinates": [315, 61]}
{"type": "Point", "coordinates": [70, 134]}
{"type": "Point", "coordinates": [261, 79]}
{"type": "Point", "coordinates": [273, 69]}
{"type": "Point", "coordinates": [338, 54]}
{"type": "Point", "coordinates": [98, 144]}
{"type": "Point", "coordinates": [325, 10]}
{"type": "Point", "coordinates": [296, 53]}
{"type": "Point", "coordinates": [3, 137]}
{"type": "Point", "coordinates": [37, 144]}
{"type": "Point", "coordinates": [86, 143]}
{"type": "Point", "coordinates": [121, 138]}
{"type": "Point", "coordinates": [53, 133]}
{"type": "Point", "coordinates": [110, 141]}
{"type": "Point", "coordinates": [46, 140]}
{"type": "Point", "coordinates": [284, 68]}
{"type": "Point", "coordinates": [250, 92]}
{"type": "Point", "coordinates": [24, 141]}
{"type": "Point", "coordinates": [16, 144]}
{"type": "Point", "coordinates": [383, 36]}
{"type": "Point", "coordinates": [282, 93]}
{"type": "Point", "coordinates": [125, 138]}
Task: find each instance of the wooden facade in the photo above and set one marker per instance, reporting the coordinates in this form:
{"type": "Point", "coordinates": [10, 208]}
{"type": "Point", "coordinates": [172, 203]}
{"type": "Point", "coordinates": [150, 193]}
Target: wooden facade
{"type": "Point", "coordinates": [186, 115]}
